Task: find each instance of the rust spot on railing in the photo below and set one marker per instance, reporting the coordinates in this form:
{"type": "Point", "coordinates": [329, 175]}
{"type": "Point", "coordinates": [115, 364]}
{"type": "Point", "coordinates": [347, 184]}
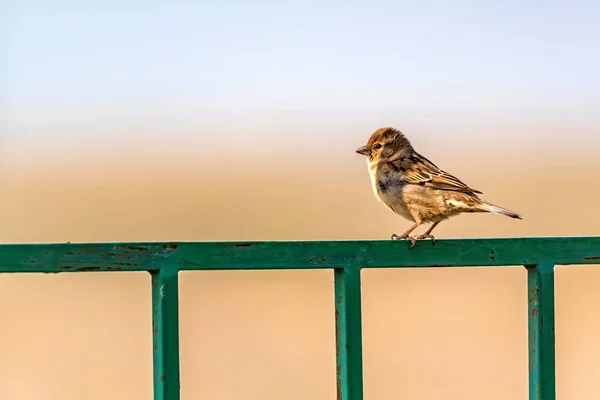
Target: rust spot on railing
{"type": "Point", "coordinates": [70, 253]}
{"type": "Point", "coordinates": [534, 295]}
{"type": "Point", "coordinates": [171, 246]}
{"type": "Point", "coordinates": [94, 268]}
{"type": "Point", "coordinates": [492, 255]}
{"type": "Point", "coordinates": [338, 382]}
{"type": "Point", "coordinates": [534, 312]}
{"type": "Point", "coordinates": [90, 268]}
{"type": "Point", "coordinates": [138, 248]}
{"type": "Point", "coordinates": [592, 258]}
{"type": "Point", "coordinates": [244, 244]}
{"type": "Point", "coordinates": [338, 333]}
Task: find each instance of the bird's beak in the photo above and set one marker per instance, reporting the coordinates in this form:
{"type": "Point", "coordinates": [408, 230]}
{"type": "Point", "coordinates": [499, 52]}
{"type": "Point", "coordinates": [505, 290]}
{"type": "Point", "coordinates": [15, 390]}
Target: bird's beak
{"type": "Point", "coordinates": [365, 151]}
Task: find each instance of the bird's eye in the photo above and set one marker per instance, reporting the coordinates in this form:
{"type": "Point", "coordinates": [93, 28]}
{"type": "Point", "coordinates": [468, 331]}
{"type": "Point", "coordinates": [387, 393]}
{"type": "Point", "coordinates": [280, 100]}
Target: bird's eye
{"type": "Point", "coordinates": [377, 146]}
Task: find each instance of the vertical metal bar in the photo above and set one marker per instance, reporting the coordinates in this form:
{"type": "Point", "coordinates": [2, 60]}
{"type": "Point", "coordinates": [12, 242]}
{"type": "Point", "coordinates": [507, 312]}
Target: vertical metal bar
{"type": "Point", "coordinates": [165, 333]}
{"type": "Point", "coordinates": [348, 333]}
{"type": "Point", "coordinates": [542, 369]}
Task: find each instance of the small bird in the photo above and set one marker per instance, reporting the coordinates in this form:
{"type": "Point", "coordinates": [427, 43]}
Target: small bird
{"type": "Point", "coordinates": [415, 188]}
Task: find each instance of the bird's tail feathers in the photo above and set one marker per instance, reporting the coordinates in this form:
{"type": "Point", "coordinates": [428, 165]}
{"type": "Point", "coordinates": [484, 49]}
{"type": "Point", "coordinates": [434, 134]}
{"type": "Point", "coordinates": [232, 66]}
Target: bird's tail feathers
{"type": "Point", "coordinates": [499, 210]}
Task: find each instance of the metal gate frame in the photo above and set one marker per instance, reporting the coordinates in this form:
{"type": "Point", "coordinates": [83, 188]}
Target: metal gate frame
{"type": "Point", "coordinates": [346, 258]}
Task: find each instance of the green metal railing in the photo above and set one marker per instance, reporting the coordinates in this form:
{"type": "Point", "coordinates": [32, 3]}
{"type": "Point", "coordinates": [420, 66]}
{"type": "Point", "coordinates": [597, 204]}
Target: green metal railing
{"type": "Point", "coordinates": [346, 258]}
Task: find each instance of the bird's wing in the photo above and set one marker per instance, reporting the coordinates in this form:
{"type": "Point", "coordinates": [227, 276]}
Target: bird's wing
{"type": "Point", "coordinates": [418, 170]}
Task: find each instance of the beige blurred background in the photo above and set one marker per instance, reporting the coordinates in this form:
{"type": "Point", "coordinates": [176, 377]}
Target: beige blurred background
{"type": "Point", "coordinates": [195, 122]}
{"type": "Point", "coordinates": [452, 333]}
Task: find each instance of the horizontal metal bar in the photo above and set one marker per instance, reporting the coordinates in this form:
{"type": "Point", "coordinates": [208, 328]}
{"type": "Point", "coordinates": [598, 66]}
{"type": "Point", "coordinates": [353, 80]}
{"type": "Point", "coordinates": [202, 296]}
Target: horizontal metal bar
{"type": "Point", "coordinates": [296, 255]}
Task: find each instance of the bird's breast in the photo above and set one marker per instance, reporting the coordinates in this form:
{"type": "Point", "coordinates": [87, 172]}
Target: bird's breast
{"type": "Point", "coordinates": [387, 185]}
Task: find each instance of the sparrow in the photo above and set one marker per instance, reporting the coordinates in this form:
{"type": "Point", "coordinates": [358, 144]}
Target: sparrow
{"type": "Point", "coordinates": [415, 188]}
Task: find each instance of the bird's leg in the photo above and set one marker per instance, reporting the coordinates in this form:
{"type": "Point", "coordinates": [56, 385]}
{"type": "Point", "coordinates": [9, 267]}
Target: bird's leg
{"type": "Point", "coordinates": [427, 234]}
{"type": "Point", "coordinates": [406, 234]}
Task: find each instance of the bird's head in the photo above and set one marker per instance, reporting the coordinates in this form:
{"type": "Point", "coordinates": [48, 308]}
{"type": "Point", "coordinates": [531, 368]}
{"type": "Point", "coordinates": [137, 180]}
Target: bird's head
{"type": "Point", "coordinates": [384, 145]}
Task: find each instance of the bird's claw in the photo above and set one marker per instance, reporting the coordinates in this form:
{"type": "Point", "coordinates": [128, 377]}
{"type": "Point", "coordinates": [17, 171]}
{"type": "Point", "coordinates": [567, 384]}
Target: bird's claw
{"type": "Point", "coordinates": [421, 237]}
{"type": "Point", "coordinates": [412, 240]}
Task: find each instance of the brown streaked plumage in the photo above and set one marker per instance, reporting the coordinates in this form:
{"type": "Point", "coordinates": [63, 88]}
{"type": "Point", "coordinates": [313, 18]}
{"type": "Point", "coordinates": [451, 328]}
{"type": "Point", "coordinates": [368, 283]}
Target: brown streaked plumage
{"type": "Point", "coordinates": [415, 188]}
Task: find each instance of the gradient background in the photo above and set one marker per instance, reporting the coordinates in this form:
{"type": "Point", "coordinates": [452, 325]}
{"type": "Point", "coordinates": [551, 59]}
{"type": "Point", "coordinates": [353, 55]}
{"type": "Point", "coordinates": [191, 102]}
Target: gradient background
{"type": "Point", "coordinates": [146, 121]}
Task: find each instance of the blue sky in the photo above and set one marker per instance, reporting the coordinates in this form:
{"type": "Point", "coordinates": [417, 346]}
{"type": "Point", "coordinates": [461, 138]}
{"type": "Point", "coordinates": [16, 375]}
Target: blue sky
{"type": "Point", "coordinates": [96, 71]}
